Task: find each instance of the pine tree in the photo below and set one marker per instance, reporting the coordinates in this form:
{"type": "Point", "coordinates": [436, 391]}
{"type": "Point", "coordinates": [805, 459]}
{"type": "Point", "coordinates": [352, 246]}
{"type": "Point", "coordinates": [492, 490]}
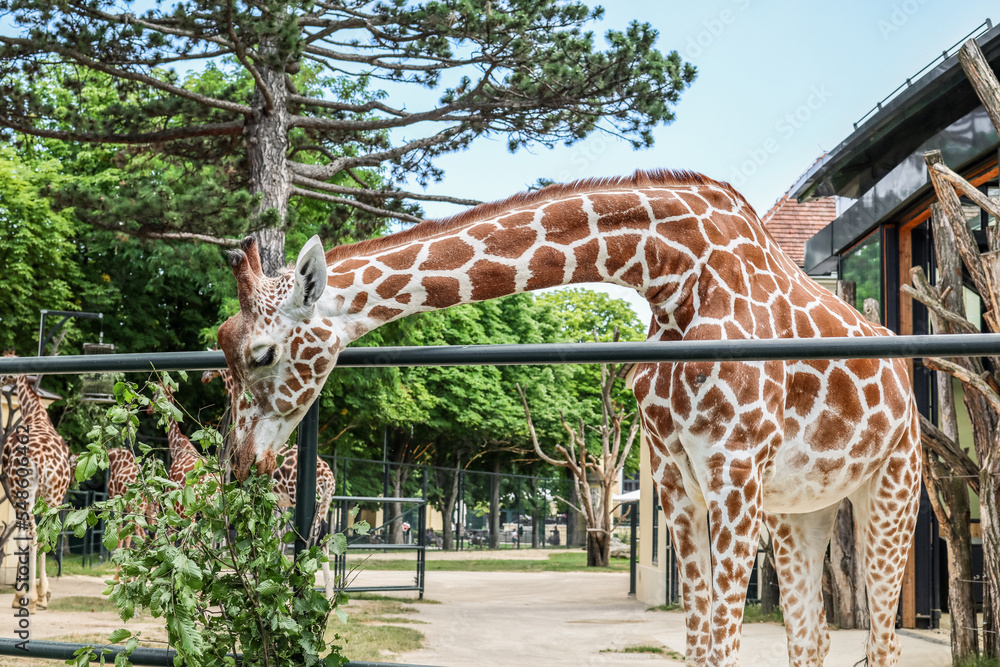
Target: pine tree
{"type": "Point", "coordinates": [291, 109]}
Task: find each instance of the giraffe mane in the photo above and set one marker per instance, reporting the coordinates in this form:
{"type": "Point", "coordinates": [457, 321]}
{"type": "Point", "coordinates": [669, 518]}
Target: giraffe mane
{"type": "Point", "coordinates": [640, 179]}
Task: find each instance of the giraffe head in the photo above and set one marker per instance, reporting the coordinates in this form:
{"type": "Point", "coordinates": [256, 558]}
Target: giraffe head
{"type": "Point", "coordinates": [279, 350]}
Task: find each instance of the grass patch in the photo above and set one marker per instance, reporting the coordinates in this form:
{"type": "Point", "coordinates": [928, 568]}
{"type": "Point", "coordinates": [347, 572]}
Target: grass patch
{"type": "Point", "coordinates": [752, 614]}
{"type": "Point", "coordinates": [373, 631]}
{"type": "Point", "coordinates": [573, 561]}
{"type": "Point", "coordinates": [673, 606]}
{"type": "Point", "coordinates": [642, 649]}
{"type": "Point", "coordinates": [376, 596]}
{"type": "Point", "coordinates": [73, 564]}
{"type": "Point", "coordinates": [645, 648]}
{"type": "Point", "coordinates": [977, 661]}
{"type": "Point", "coordinates": [82, 603]}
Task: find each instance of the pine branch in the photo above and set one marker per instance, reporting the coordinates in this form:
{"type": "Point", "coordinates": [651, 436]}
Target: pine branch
{"type": "Point", "coordinates": [353, 202]}
{"type": "Point", "coordinates": [381, 194]}
{"type": "Point", "coordinates": [209, 130]}
{"type": "Point", "coordinates": [187, 236]}
{"type": "Point", "coordinates": [242, 57]}
{"type": "Point", "coordinates": [324, 172]}
{"type": "Point", "coordinates": [153, 82]}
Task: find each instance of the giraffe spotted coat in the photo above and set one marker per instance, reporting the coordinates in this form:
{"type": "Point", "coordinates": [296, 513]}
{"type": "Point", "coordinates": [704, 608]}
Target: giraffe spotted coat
{"type": "Point", "coordinates": [733, 444]}
{"type": "Point", "coordinates": [45, 474]}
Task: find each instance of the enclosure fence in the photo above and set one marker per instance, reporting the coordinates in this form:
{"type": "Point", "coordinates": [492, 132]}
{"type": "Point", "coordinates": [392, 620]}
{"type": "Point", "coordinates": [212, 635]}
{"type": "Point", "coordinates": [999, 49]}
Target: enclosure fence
{"type": "Point", "coordinates": [955, 345]}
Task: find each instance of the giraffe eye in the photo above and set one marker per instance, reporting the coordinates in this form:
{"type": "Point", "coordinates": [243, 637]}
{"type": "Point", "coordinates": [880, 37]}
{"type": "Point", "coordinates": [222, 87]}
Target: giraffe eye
{"type": "Point", "coordinates": [265, 359]}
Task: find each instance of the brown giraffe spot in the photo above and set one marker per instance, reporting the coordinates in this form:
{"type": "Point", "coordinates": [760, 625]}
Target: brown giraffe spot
{"type": "Point", "coordinates": [621, 250]}
{"type": "Point", "coordinates": [304, 370]}
{"type": "Point", "coordinates": [441, 291]}
{"type": "Point", "coordinates": [296, 344]}
{"type": "Point", "coordinates": [384, 313]}
{"type": "Point", "coordinates": [510, 243]}
{"type": "Point", "coordinates": [803, 325]}
{"type": "Point", "coordinates": [480, 232]}
{"type": "Point", "coordinates": [666, 205]}
{"type": "Point", "coordinates": [340, 280]}
{"type": "Point", "coordinates": [634, 275]}
{"type": "Point", "coordinates": [734, 503]}
{"type": "Point", "coordinates": [311, 352]}
{"type": "Point", "coordinates": [715, 404]}
{"type": "Point", "coordinates": [490, 280]}
{"type": "Point", "coordinates": [519, 219]}
{"type": "Point", "coordinates": [864, 368]}
{"type": "Point", "coordinates": [321, 365]}
{"type": "Point", "coordinates": [828, 433]}
{"type": "Point", "coordinates": [292, 384]}
{"type": "Point", "coordinates": [348, 265]}
{"type": "Point", "coordinates": [370, 275]}
{"type": "Point", "coordinates": [404, 298]}
{"type": "Point", "coordinates": [630, 215]}
{"type": "Point", "coordinates": [565, 222]}
{"type": "Point", "coordinates": [283, 389]}
{"type": "Point", "coordinates": [447, 255]}
{"type": "Point", "coordinates": [873, 396]}
{"type": "Point", "coordinates": [724, 540]}
{"type": "Point", "coordinates": [283, 406]}
{"type": "Point", "coordinates": [695, 203]}
{"type": "Point", "coordinates": [306, 396]}
{"type": "Point", "coordinates": [547, 266]}
{"type": "Point", "coordinates": [586, 262]}
{"type": "Point", "coordinates": [392, 285]}
{"type": "Point", "coordinates": [401, 259]}
{"type": "Point", "coordinates": [321, 333]}
{"type": "Point", "coordinates": [843, 396]}
{"type": "Point", "coordinates": [868, 443]}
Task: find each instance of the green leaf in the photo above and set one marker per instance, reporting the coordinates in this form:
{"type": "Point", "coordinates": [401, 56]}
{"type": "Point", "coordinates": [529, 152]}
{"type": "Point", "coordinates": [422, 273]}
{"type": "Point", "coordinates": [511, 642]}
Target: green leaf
{"type": "Point", "coordinates": [119, 635]}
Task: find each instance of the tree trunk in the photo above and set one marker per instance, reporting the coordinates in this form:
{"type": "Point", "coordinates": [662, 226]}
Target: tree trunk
{"type": "Point", "coordinates": [990, 522]}
{"type": "Point", "coordinates": [270, 179]}
{"type": "Point", "coordinates": [447, 534]}
{"type": "Point", "coordinates": [537, 525]}
{"type": "Point", "coordinates": [598, 549]}
{"type": "Point", "coordinates": [394, 511]}
{"type": "Point", "coordinates": [768, 581]}
{"type": "Point", "coordinates": [495, 505]}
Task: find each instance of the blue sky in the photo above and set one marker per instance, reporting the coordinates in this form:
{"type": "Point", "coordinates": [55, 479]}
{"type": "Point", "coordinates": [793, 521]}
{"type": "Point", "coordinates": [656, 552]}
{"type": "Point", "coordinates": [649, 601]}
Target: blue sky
{"type": "Point", "coordinates": [779, 83]}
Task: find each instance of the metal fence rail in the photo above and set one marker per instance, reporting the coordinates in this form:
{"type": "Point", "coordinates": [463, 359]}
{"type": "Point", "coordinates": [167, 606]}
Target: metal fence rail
{"type": "Point", "coordinates": [959, 345]}
{"type": "Point", "coordinates": [859, 347]}
{"type": "Point", "coordinates": [152, 657]}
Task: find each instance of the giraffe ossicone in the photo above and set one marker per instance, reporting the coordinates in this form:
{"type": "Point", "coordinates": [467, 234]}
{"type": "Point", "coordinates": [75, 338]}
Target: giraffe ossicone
{"type": "Point", "coordinates": [732, 444]}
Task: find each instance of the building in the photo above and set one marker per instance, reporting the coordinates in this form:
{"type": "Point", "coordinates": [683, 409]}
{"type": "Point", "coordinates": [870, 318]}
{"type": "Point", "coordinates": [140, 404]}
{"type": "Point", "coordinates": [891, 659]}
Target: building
{"type": "Point", "coordinates": [878, 178]}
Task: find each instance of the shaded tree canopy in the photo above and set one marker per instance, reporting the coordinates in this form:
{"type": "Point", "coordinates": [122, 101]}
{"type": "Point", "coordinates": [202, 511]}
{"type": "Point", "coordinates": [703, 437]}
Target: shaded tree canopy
{"type": "Point", "coordinates": [295, 114]}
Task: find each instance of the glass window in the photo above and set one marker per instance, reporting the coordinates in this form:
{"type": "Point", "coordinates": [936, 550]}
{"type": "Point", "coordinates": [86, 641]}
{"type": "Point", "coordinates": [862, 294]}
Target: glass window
{"type": "Point", "coordinates": [862, 265]}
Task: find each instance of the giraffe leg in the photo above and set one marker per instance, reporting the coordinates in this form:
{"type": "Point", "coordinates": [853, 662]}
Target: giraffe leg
{"type": "Point", "coordinates": [735, 519]}
{"type": "Point", "coordinates": [800, 542]}
{"type": "Point", "coordinates": [887, 511]}
{"type": "Point", "coordinates": [688, 523]}
{"type": "Point", "coordinates": [327, 578]}
{"type": "Point", "coordinates": [44, 592]}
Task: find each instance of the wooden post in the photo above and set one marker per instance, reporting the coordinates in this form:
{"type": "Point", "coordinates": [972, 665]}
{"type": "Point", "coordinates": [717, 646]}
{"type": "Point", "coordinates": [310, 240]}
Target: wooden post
{"type": "Point", "coordinates": [981, 76]}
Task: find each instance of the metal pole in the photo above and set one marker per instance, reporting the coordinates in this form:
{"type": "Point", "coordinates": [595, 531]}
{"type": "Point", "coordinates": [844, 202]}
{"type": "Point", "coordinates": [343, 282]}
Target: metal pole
{"type": "Point", "coordinates": [633, 556]}
{"type": "Point", "coordinates": [305, 491]}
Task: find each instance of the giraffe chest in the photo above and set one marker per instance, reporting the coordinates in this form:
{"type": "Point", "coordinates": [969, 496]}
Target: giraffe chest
{"type": "Point", "coordinates": [809, 433]}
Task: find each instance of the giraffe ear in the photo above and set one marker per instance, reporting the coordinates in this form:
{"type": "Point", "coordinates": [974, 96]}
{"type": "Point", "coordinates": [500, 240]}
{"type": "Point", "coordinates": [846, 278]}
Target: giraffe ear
{"type": "Point", "coordinates": [310, 274]}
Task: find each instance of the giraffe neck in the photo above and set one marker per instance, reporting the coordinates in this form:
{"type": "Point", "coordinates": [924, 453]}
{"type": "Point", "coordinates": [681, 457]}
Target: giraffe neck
{"type": "Point", "coordinates": [179, 443]}
{"type": "Point", "coordinates": [646, 238]}
{"type": "Point", "coordinates": [29, 404]}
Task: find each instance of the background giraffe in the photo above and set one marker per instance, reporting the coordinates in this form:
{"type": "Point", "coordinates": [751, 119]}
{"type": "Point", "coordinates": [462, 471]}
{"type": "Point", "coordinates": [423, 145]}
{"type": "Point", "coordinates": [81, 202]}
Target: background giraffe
{"type": "Point", "coordinates": [286, 480]}
{"type": "Point", "coordinates": [183, 455]}
{"type": "Point", "coordinates": [122, 474]}
{"type": "Point", "coordinates": [728, 441]}
{"type": "Point", "coordinates": [46, 474]}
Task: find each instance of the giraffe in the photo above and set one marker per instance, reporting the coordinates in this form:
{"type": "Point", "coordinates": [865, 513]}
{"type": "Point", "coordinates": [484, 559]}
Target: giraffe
{"type": "Point", "coordinates": [732, 444]}
{"type": "Point", "coordinates": [43, 470]}
{"type": "Point", "coordinates": [122, 474]}
{"type": "Point", "coordinates": [286, 479]}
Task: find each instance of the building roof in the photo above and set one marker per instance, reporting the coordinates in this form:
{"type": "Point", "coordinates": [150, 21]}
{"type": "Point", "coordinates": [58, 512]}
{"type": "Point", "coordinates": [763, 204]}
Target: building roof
{"type": "Point", "coordinates": [792, 223]}
{"type": "Point", "coordinates": [938, 96]}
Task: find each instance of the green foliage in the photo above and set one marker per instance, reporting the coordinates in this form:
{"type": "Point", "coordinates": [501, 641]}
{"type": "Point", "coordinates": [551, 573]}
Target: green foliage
{"type": "Point", "coordinates": [752, 614]}
{"type": "Point", "coordinates": [527, 71]}
{"type": "Point", "coordinates": [221, 582]}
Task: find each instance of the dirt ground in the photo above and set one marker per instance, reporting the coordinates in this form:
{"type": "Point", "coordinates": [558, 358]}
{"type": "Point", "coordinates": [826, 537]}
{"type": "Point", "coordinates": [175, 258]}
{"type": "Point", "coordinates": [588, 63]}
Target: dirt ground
{"type": "Point", "coordinates": [499, 618]}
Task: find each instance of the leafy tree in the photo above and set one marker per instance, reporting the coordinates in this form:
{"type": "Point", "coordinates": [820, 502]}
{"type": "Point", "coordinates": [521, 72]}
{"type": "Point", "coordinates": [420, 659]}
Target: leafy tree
{"type": "Point", "coordinates": [292, 116]}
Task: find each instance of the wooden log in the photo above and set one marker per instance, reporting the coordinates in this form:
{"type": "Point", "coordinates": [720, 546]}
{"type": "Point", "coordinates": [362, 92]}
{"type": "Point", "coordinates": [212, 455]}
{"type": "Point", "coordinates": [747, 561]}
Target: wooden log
{"type": "Point", "coordinates": [991, 267]}
{"type": "Point", "coordinates": [966, 244]}
{"type": "Point", "coordinates": [983, 81]}
{"type": "Point", "coordinates": [990, 205]}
